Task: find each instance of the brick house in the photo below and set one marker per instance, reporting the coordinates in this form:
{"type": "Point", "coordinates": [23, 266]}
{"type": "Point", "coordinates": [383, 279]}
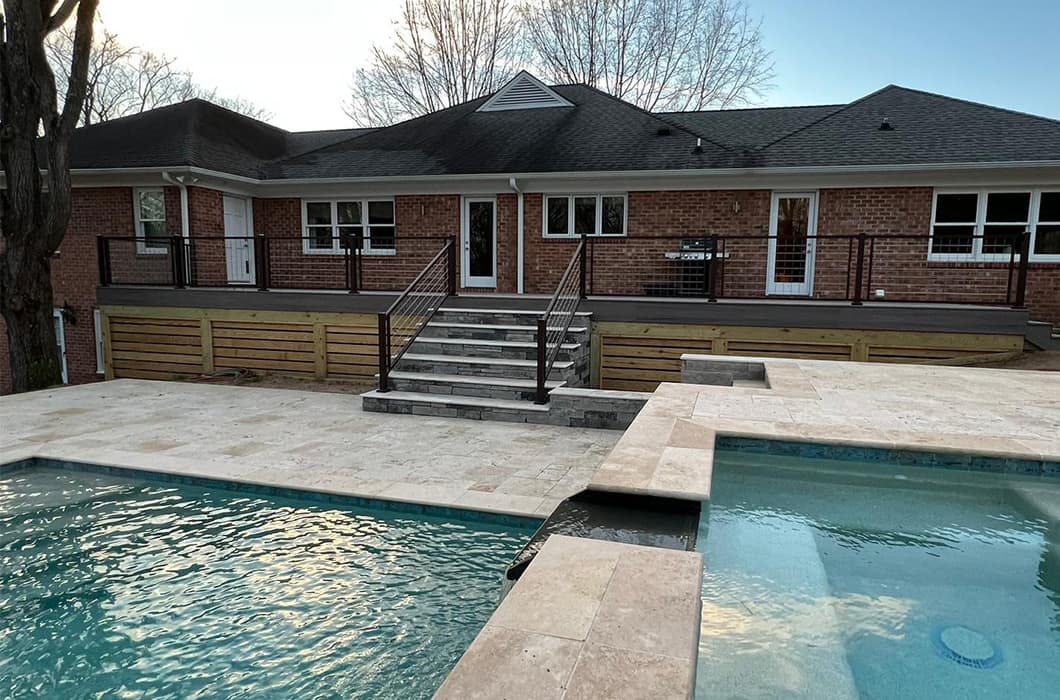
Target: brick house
{"type": "Point", "coordinates": [740, 231]}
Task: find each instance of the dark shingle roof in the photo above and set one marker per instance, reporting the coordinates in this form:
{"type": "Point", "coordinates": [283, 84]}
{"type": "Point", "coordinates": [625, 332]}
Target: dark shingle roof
{"type": "Point", "coordinates": [195, 133]}
{"type": "Point", "coordinates": [749, 128]}
{"type": "Point", "coordinates": [927, 128]}
{"type": "Point", "coordinates": [599, 133]}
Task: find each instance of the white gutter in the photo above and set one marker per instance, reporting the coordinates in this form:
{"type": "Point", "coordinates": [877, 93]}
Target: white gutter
{"type": "Point", "coordinates": [519, 235]}
{"type": "Point", "coordinates": [180, 181]}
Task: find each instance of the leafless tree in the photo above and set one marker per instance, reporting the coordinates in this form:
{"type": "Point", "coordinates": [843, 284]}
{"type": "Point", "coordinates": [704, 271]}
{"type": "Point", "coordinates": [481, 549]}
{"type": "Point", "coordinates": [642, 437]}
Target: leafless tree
{"type": "Point", "coordinates": [658, 54]}
{"type": "Point", "coordinates": [444, 52]}
{"type": "Point", "coordinates": [125, 80]}
{"type": "Point", "coordinates": [35, 201]}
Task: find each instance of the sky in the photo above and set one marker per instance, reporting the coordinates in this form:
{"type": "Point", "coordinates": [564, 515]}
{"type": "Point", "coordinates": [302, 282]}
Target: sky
{"type": "Point", "coordinates": [295, 59]}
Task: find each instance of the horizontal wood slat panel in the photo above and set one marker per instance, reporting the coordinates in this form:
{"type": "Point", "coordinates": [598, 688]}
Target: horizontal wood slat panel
{"type": "Point", "coordinates": [155, 348]}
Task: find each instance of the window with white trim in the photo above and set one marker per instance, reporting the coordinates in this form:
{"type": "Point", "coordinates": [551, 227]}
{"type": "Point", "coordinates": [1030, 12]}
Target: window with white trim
{"type": "Point", "coordinates": [571, 215]}
{"type": "Point", "coordinates": [1045, 233]}
{"type": "Point", "coordinates": [986, 224]}
{"type": "Point", "coordinates": [329, 223]}
{"type": "Point", "coordinates": [149, 209]}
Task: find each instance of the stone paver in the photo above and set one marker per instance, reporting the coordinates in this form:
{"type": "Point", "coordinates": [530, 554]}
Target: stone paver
{"type": "Point", "coordinates": [304, 439]}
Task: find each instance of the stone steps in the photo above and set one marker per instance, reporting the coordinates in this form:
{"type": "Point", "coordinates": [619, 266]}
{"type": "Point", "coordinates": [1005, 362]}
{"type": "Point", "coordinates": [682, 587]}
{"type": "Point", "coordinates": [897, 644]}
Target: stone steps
{"type": "Point", "coordinates": [482, 363]}
{"type": "Point", "coordinates": [470, 347]}
{"type": "Point", "coordinates": [479, 366]}
{"type": "Point", "coordinates": [473, 407]}
{"type": "Point", "coordinates": [465, 385]}
{"type": "Point", "coordinates": [491, 331]}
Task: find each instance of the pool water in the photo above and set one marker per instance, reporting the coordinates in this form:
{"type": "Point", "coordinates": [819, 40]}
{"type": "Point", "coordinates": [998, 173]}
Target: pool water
{"type": "Point", "coordinates": [827, 579]}
{"type": "Point", "coordinates": [124, 588]}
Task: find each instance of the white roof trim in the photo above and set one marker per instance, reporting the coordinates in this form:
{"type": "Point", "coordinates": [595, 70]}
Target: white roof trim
{"type": "Point", "coordinates": [524, 91]}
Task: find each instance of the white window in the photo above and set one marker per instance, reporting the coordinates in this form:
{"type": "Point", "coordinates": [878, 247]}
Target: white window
{"type": "Point", "coordinates": [329, 223]}
{"type": "Point", "coordinates": [149, 209]}
{"type": "Point", "coordinates": [986, 225]}
{"type": "Point", "coordinates": [97, 322]}
{"type": "Point", "coordinates": [567, 216]}
{"type": "Point", "coordinates": [1045, 228]}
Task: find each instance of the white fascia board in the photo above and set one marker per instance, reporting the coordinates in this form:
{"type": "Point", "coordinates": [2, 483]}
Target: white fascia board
{"type": "Point", "coordinates": [1017, 173]}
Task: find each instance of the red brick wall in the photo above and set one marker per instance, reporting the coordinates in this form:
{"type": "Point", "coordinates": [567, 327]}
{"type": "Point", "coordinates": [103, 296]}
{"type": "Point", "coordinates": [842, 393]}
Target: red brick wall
{"type": "Point", "coordinates": [95, 212]}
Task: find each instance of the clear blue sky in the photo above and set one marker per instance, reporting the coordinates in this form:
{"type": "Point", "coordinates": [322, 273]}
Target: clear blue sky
{"type": "Point", "coordinates": [1001, 52]}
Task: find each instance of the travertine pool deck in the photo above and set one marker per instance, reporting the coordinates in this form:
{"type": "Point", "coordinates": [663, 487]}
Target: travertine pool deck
{"type": "Point", "coordinates": [302, 439]}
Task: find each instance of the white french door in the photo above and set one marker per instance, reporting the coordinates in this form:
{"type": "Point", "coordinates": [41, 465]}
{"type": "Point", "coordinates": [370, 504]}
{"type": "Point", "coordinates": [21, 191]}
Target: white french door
{"type": "Point", "coordinates": [792, 243]}
{"type": "Point", "coordinates": [239, 246]}
{"type": "Point", "coordinates": [479, 242]}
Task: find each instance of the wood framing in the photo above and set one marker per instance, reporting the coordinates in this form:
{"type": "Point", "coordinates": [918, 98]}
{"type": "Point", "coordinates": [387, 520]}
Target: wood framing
{"type": "Point", "coordinates": [638, 356]}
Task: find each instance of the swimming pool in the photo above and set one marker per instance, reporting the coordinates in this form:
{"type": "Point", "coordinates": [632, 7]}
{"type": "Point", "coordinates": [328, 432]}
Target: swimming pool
{"type": "Point", "coordinates": [131, 587]}
{"type": "Point", "coordinates": [829, 579]}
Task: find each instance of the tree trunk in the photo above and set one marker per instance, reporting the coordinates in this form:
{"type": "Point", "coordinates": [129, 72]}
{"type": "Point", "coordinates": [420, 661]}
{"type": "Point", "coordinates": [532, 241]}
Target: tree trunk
{"type": "Point", "coordinates": [28, 314]}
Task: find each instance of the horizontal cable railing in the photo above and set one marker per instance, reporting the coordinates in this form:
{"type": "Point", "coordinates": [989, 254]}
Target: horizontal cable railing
{"type": "Point", "coordinates": [986, 270]}
{"type": "Point", "coordinates": [350, 263]}
{"type": "Point", "coordinates": [554, 323]}
{"type": "Point", "coordinates": [409, 314]}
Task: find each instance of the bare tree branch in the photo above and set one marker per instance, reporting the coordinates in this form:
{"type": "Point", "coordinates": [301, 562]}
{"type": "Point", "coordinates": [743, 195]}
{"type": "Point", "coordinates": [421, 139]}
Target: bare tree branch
{"type": "Point", "coordinates": [658, 54]}
{"type": "Point", "coordinates": [444, 52]}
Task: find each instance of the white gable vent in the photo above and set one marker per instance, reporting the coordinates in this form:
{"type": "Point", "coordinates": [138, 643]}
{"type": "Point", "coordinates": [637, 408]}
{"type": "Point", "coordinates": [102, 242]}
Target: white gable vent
{"type": "Point", "coordinates": [524, 91]}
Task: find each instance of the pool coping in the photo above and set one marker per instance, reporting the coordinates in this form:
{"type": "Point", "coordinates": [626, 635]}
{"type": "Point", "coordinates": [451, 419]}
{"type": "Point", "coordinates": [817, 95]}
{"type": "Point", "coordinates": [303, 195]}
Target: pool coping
{"type": "Point", "coordinates": [666, 451]}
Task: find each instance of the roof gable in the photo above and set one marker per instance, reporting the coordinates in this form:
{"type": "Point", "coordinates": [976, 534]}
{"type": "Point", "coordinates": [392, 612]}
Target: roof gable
{"type": "Point", "coordinates": [524, 91]}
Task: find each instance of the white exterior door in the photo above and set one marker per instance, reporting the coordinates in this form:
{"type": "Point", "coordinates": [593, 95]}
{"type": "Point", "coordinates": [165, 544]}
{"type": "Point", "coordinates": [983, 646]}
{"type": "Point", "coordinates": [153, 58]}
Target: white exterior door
{"type": "Point", "coordinates": [792, 243]}
{"type": "Point", "coordinates": [479, 242]}
{"type": "Point", "coordinates": [239, 244]}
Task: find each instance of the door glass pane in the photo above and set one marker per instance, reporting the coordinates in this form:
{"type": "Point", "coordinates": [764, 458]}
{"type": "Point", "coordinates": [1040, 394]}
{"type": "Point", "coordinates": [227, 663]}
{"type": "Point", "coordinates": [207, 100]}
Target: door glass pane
{"type": "Point", "coordinates": [557, 216]}
{"type": "Point", "coordinates": [480, 239]}
{"type": "Point", "coordinates": [585, 215]}
{"type": "Point", "coordinates": [793, 221]}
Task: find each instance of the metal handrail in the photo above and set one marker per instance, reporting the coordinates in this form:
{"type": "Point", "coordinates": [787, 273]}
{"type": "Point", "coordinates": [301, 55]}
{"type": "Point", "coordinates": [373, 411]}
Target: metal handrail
{"type": "Point", "coordinates": [564, 308]}
{"type": "Point", "coordinates": [422, 298]}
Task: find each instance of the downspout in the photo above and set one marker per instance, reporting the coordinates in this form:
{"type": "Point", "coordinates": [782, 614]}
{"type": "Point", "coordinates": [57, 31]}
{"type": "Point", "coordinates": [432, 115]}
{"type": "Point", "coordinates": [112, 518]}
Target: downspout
{"type": "Point", "coordinates": [185, 224]}
{"type": "Point", "coordinates": [519, 235]}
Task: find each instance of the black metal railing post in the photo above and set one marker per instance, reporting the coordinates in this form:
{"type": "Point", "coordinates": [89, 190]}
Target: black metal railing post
{"type": "Point", "coordinates": [452, 265]}
{"type": "Point", "coordinates": [582, 286]}
{"type": "Point", "coordinates": [1021, 275]}
{"type": "Point", "coordinates": [102, 261]}
{"type": "Point", "coordinates": [176, 255]}
{"type": "Point", "coordinates": [384, 352]}
{"type": "Point", "coordinates": [712, 269]}
{"type": "Point", "coordinates": [859, 271]}
{"type": "Point", "coordinates": [542, 360]}
{"type": "Point", "coordinates": [261, 262]}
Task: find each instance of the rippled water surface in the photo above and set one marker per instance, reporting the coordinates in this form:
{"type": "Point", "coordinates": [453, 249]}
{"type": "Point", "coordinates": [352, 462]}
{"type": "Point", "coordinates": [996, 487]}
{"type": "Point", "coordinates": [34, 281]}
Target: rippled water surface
{"type": "Point", "coordinates": [119, 588]}
{"type": "Point", "coordinates": [822, 582]}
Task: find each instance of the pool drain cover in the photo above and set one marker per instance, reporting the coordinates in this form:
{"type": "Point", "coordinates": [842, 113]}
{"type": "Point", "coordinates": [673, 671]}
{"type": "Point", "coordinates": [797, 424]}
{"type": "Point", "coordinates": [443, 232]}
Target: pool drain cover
{"type": "Point", "coordinates": [966, 646]}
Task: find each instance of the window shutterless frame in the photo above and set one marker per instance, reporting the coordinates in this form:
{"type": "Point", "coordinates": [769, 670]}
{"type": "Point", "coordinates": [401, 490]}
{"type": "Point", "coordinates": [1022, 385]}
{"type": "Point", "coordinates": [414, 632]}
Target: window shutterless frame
{"type": "Point", "coordinates": [977, 254]}
{"type": "Point", "coordinates": [598, 224]}
{"type": "Point", "coordinates": [143, 244]}
{"type": "Point", "coordinates": [334, 227]}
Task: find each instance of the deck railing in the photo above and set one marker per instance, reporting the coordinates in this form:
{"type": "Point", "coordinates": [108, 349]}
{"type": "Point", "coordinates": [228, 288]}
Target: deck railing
{"type": "Point", "coordinates": [554, 323]}
{"type": "Point", "coordinates": [342, 263]}
{"type": "Point", "coordinates": [412, 311]}
{"type": "Point", "coordinates": [853, 268]}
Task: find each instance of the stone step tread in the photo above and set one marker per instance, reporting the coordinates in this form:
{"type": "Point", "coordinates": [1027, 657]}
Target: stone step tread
{"type": "Point", "coordinates": [512, 312]}
{"type": "Point", "coordinates": [500, 327]}
{"type": "Point", "coordinates": [452, 400]}
{"type": "Point", "coordinates": [522, 345]}
{"type": "Point", "coordinates": [495, 361]}
{"type": "Point", "coordinates": [473, 379]}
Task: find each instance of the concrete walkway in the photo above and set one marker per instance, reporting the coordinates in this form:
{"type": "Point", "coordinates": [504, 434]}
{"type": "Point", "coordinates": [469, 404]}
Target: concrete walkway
{"type": "Point", "coordinates": [304, 439]}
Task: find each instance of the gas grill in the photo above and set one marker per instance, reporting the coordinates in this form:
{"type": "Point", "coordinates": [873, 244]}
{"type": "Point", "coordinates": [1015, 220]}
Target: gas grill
{"type": "Point", "coordinates": [692, 270]}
